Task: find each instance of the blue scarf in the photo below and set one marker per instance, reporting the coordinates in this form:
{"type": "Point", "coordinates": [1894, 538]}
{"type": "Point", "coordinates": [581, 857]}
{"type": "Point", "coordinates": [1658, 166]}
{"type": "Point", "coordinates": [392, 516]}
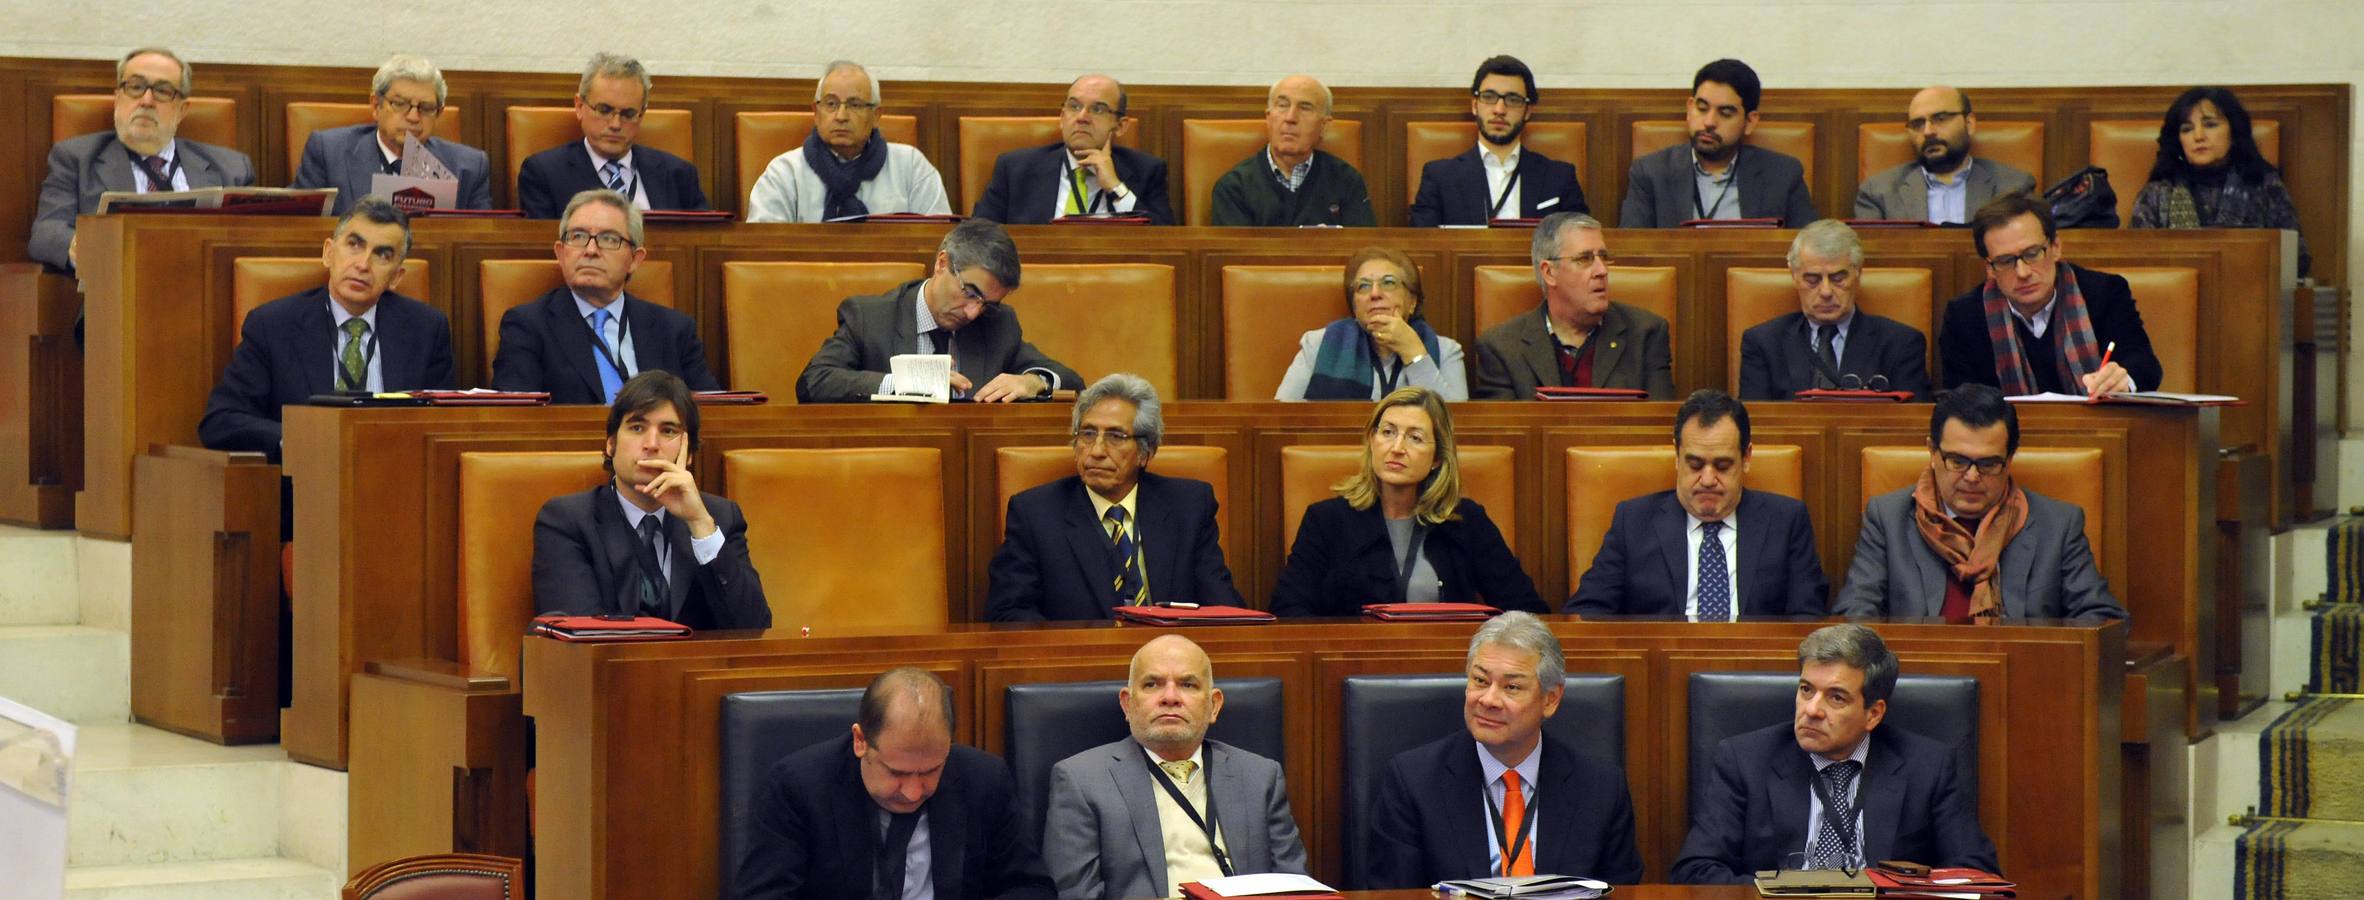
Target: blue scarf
{"type": "Point", "coordinates": [1346, 363]}
{"type": "Point", "coordinates": [839, 178]}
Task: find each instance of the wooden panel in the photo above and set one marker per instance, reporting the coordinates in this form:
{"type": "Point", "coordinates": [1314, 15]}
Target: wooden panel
{"type": "Point", "coordinates": [40, 397]}
{"type": "Point", "coordinates": [205, 596]}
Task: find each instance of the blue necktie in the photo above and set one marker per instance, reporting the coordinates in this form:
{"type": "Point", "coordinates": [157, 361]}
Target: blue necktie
{"type": "Point", "coordinates": [1128, 587]}
{"type": "Point", "coordinates": [1715, 582]}
{"type": "Point", "coordinates": [610, 381]}
{"type": "Point", "coordinates": [615, 176]}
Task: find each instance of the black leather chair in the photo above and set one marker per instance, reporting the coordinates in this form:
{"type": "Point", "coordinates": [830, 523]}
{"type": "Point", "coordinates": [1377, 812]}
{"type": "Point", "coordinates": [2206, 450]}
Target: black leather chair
{"type": "Point", "coordinates": [1051, 721]}
{"type": "Point", "coordinates": [758, 728]}
{"type": "Point", "coordinates": [1383, 715]}
{"type": "Point", "coordinates": [1943, 708]}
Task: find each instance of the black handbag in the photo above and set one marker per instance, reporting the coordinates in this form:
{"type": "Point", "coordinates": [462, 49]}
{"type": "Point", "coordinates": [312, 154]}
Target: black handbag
{"type": "Point", "coordinates": [2084, 200]}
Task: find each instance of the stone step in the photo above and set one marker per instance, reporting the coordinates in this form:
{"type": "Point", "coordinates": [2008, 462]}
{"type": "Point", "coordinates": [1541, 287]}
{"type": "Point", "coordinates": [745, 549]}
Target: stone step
{"type": "Point", "coordinates": [74, 672]}
{"type": "Point", "coordinates": [2324, 860]}
{"type": "Point", "coordinates": [40, 587]}
{"type": "Point", "coordinates": [142, 796]}
{"type": "Point", "coordinates": [268, 878]}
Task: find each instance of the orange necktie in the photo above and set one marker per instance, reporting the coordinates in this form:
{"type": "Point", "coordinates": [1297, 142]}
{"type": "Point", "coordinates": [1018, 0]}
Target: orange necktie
{"type": "Point", "coordinates": [1514, 811]}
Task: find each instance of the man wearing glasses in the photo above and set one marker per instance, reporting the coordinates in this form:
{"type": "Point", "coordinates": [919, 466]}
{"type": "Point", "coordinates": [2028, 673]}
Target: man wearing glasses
{"type": "Point", "coordinates": [2040, 325]}
{"type": "Point", "coordinates": [405, 98]}
{"type": "Point", "coordinates": [956, 311]}
{"type": "Point", "coordinates": [1965, 542]}
{"type": "Point", "coordinates": [1577, 337]}
{"type": "Point", "coordinates": [141, 154]}
{"type": "Point", "coordinates": [846, 169]}
{"type": "Point", "coordinates": [1943, 183]}
{"type": "Point", "coordinates": [1291, 181]}
{"type": "Point", "coordinates": [1499, 178]}
{"type": "Point", "coordinates": [609, 103]}
{"type": "Point", "coordinates": [1086, 173]}
{"type": "Point", "coordinates": [583, 340]}
{"type": "Point", "coordinates": [1114, 534]}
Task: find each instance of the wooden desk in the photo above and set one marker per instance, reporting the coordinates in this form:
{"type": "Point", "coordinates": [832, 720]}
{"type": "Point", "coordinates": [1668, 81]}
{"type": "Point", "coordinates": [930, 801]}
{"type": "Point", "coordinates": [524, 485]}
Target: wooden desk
{"type": "Point", "coordinates": [41, 403]}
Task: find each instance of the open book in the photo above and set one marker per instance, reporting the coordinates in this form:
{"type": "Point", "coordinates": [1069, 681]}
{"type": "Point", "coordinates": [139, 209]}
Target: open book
{"type": "Point", "coordinates": [919, 378]}
{"type": "Point", "coordinates": [245, 201]}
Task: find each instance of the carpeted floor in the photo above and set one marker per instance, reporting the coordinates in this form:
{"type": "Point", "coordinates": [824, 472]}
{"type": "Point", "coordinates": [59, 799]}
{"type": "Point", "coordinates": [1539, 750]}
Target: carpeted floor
{"type": "Point", "coordinates": [2312, 758]}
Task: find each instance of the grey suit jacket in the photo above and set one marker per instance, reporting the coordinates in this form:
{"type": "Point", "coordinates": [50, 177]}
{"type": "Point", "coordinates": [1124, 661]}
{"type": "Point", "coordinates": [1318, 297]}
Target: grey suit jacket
{"type": "Point", "coordinates": [1901, 193]}
{"type": "Point", "coordinates": [1516, 357]}
{"type": "Point", "coordinates": [82, 168]}
{"type": "Point", "coordinates": [2047, 573]}
{"type": "Point", "coordinates": [1661, 190]}
{"type": "Point", "coordinates": [872, 330]}
{"type": "Point", "coordinates": [344, 158]}
{"type": "Point", "coordinates": [1101, 838]}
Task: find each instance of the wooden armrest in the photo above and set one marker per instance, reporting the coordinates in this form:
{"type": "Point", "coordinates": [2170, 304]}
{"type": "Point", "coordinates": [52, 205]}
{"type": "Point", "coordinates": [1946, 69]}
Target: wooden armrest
{"type": "Point", "coordinates": [442, 673]}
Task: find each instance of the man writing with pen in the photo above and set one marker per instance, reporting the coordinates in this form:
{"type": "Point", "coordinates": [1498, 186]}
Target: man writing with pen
{"type": "Point", "coordinates": [2040, 324]}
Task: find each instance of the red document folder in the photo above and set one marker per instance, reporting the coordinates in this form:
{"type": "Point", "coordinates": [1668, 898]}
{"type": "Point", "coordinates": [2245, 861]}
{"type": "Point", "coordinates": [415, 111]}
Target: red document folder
{"type": "Point", "coordinates": [1430, 612]}
{"type": "Point", "coordinates": [1204, 615]}
{"type": "Point", "coordinates": [608, 628]}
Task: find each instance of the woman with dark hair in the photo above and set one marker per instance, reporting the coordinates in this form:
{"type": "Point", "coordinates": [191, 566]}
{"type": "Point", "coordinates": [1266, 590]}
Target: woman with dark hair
{"type": "Point", "coordinates": [1382, 344]}
{"type": "Point", "coordinates": [2209, 173]}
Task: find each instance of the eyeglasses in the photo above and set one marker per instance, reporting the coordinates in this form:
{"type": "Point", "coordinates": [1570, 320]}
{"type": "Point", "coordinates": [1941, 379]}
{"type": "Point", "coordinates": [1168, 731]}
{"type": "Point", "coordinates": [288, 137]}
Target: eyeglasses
{"type": "Point", "coordinates": [607, 240]}
{"type": "Point", "coordinates": [1585, 259]}
{"type": "Point", "coordinates": [831, 105]}
{"type": "Point", "coordinates": [165, 91]}
{"type": "Point", "coordinates": [1990, 466]}
{"type": "Point", "coordinates": [972, 292]}
{"type": "Point", "coordinates": [402, 107]}
{"type": "Point", "coordinates": [1089, 437]}
{"type": "Point", "coordinates": [1099, 110]}
{"type": "Point", "coordinates": [2007, 262]}
{"type": "Point", "coordinates": [1388, 434]}
{"type": "Point", "coordinates": [1388, 283]}
{"type": "Point", "coordinates": [605, 111]}
{"type": "Point", "coordinates": [1940, 119]}
{"type": "Point", "coordinates": [1489, 98]}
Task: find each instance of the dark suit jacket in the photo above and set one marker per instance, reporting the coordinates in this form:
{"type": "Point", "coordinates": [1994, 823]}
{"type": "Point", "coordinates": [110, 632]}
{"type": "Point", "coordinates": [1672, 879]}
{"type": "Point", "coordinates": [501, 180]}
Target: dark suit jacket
{"type": "Point", "coordinates": [1055, 561]}
{"type": "Point", "coordinates": [1776, 356]}
{"type": "Point", "coordinates": [546, 346]}
{"type": "Point", "coordinates": [816, 831]}
{"type": "Point", "coordinates": [2047, 569]}
{"type": "Point", "coordinates": [1428, 821]}
{"type": "Point", "coordinates": [1453, 190]}
{"type": "Point", "coordinates": [1342, 560]}
{"type": "Point", "coordinates": [1516, 357]}
{"type": "Point", "coordinates": [872, 330]}
{"type": "Point", "coordinates": [552, 177]}
{"type": "Point", "coordinates": [1661, 190]}
{"type": "Point", "coordinates": [82, 168]}
{"type": "Point", "coordinates": [1023, 180]}
{"type": "Point", "coordinates": [584, 564]}
{"type": "Point", "coordinates": [1754, 812]}
{"type": "Point", "coordinates": [1901, 192]}
{"type": "Point", "coordinates": [1644, 563]}
{"type": "Point", "coordinates": [1966, 353]}
{"type": "Point", "coordinates": [345, 157]}
{"type": "Point", "coordinates": [287, 352]}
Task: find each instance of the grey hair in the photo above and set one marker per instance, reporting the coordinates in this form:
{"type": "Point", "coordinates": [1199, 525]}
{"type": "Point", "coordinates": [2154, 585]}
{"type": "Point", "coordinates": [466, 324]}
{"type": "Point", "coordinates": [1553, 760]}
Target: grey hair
{"type": "Point", "coordinates": [1273, 91]}
{"type": "Point", "coordinates": [1858, 647]}
{"type": "Point", "coordinates": [1522, 631]}
{"type": "Point", "coordinates": [377, 210]}
{"type": "Point", "coordinates": [841, 65]}
{"type": "Point", "coordinates": [1149, 423]}
{"type": "Point", "coordinates": [1546, 242]}
{"type": "Point", "coordinates": [983, 243]}
{"type": "Point", "coordinates": [613, 65]}
{"type": "Point", "coordinates": [405, 67]}
{"type": "Point", "coordinates": [186, 73]}
{"type": "Point", "coordinates": [609, 197]}
{"type": "Point", "coordinates": [1826, 238]}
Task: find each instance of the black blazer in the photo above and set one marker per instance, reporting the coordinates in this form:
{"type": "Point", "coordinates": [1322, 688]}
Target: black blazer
{"type": "Point", "coordinates": [1967, 354]}
{"type": "Point", "coordinates": [546, 346]}
{"type": "Point", "coordinates": [1342, 560]}
{"type": "Point", "coordinates": [1055, 561]}
{"type": "Point", "coordinates": [816, 831]}
{"type": "Point", "coordinates": [1428, 822]}
{"type": "Point", "coordinates": [1643, 565]}
{"type": "Point", "coordinates": [584, 564]}
{"type": "Point", "coordinates": [872, 330]}
{"type": "Point", "coordinates": [552, 177]}
{"type": "Point", "coordinates": [1776, 356]}
{"type": "Point", "coordinates": [1660, 191]}
{"type": "Point", "coordinates": [1024, 179]}
{"type": "Point", "coordinates": [1453, 190]}
{"type": "Point", "coordinates": [1754, 812]}
{"type": "Point", "coordinates": [287, 352]}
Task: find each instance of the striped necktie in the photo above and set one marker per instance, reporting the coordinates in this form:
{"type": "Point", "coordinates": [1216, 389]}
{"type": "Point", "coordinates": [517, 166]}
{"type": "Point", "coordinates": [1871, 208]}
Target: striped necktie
{"type": "Point", "coordinates": [1129, 589]}
{"type": "Point", "coordinates": [615, 175]}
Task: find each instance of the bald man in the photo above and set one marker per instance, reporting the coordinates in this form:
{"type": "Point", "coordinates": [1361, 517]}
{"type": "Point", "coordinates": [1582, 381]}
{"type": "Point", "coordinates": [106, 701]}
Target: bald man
{"type": "Point", "coordinates": [1084, 174]}
{"type": "Point", "coordinates": [1211, 808]}
{"type": "Point", "coordinates": [1944, 183]}
{"type": "Point", "coordinates": [1291, 181]}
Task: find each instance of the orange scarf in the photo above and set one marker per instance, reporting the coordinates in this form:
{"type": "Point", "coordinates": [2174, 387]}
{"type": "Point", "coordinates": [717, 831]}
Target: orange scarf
{"type": "Point", "coordinates": [1973, 557]}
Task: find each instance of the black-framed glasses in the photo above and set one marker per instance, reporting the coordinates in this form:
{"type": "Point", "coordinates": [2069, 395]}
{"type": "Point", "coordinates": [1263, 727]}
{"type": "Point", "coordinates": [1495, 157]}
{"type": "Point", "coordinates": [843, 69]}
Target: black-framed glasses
{"type": "Point", "coordinates": [1585, 259]}
{"type": "Point", "coordinates": [165, 91]}
{"type": "Point", "coordinates": [1850, 381]}
{"type": "Point", "coordinates": [402, 107]}
{"type": "Point", "coordinates": [607, 240]}
{"type": "Point", "coordinates": [1939, 119]}
{"type": "Point", "coordinates": [830, 106]}
{"type": "Point", "coordinates": [1099, 110]}
{"type": "Point", "coordinates": [605, 111]}
{"type": "Point", "coordinates": [1388, 283]}
{"type": "Point", "coordinates": [2005, 262]}
{"type": "Point", "coordinates": [1990, 466]}
{"type": "Point", "coordinates": [1489, 98]}
{"type": "Point", "coordinates": [1088, 437]}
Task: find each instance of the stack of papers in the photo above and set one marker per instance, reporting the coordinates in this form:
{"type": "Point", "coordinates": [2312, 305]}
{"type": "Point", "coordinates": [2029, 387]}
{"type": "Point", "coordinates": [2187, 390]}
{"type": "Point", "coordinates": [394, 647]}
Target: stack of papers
{"type": "Point", "coordinates": [920, 378]}
{"type": "Point", "coordinates": [2161, 398]}
{"type": "Point", "coordinates": [1539, 887]}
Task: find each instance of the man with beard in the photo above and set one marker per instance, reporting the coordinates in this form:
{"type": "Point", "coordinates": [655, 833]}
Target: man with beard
{"type": "Point", "coordinates": [1943, 183]}
{"type": "Point", "coordinates": [1479, 185]}
{"type": "Point", "coordinates": [141, 154]}
{"type": "Point", "coordinates": [1086, 173]}
{"type": "Point", "coordinates": [1717, 175]}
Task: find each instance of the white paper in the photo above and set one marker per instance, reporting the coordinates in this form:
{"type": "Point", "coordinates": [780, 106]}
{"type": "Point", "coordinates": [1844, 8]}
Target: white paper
{"type": "Point", "coordinates": [1272, 883]}
{"type": "Point", "coordinates": [36, 770]}
{"type": "Point", "coordinates": [923, 375]}
{"type": "Point", "coordinates": [417, 162]}
{"type": "Point", "coordinates": [2047, 397]}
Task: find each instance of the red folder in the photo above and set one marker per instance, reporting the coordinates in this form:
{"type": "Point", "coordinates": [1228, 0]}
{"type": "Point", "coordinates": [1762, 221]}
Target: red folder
{"type": "Point", "coordinates": [608, 628]}
{"type": "Point", "coordinates": [1590, 393]}
{"type": "Point", "coordinates": [1430, 612]}
{"type": "Point", "coordinates": [1204, 615]}
{"type": "Point", "coordinates": [1828, 395]}
{"type": "Point", "coordinates": [1941, 883]}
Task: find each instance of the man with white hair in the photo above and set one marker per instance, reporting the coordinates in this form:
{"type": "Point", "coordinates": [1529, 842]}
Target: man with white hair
{"type": "Point", "coordinates": [142, 154]}
{"type": "Point", "coordinates": [846, 167]}
{"type": "Point", "coordinates": [1829, 342]}
{"type": "Point", "coordinates": [1291, 181]}
{"type": "Point", "coordinates": [610, 103]}
{"type": "Point", "coordinates": [405, 97]}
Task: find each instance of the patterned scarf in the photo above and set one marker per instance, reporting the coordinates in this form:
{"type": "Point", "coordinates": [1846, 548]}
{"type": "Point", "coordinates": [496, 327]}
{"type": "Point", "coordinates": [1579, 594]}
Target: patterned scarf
{"type": "Point", "coordinates": [2072, 330]}
{"type": "Point", "coordinates": [1345, 364]}
{"type": "Point", "coordinates": [1972, 557]}
{"type": "Point", "coordinates": [2230, 203]}
{"type": "Point", "coordinates": [840, 179]}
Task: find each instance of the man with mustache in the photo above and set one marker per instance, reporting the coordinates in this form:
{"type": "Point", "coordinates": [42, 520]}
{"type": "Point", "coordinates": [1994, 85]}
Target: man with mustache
{"type": "Point", "coordinates": [1085, 173]}
{"type": "Point", "coordinates": [1943, 183]}
{"type": "Point", "coordinates": [1480, 185]}
{"type": "Point", "coordinates": [406, 99]}
{"type": "Point", "coordinates": [1292, 181]}
{"type": "Point", "coordinates": [585, 338]}
{"type": "Point", "coordinates": [846, 166]}
{"type": "Point", "coordinates": [1717, 174]}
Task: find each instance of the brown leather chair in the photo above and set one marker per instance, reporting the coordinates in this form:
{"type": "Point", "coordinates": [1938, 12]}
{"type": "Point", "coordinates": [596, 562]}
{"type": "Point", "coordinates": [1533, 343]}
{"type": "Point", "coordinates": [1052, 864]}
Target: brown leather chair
{"type": "Point", "coordinates": [2067, 474]}
{"type": "Point", "coordinates": [984, 139]}
{"type": "Point", "coordinates": [305, 117]}
{"type": "Point", "coordinates": [762, 136]}
{"type": "Point", "coordinates": [1489, 475]}
{"type": "Point", "coordinates": [256, 280]}
{"type": "Point", "coordinates": [1103, 318]}
{"type": "Point", "coordinates": [1757, 295]}
{"type": "Point", "coordinates": [880, 562]}
{"type": "Point", "coordinates": [509, 283]}
{"type": "Point", "coordinates": [1426, 142]}
{"type": "Point", "coordinates": [500, 496]}
{"type": "Point", "coordinates": [781, 312]}
{"type": "Point", "coordinates": [1504, 293]}
{"type": "Point", "coordinates": [2127, 147]}
{"type": "Point", "coordinates": [2169, 297]}
{"type": "Point", "coordinates": [1016, 469]}
{"type": "Point", "coordinates": [441, 876]}
{"type": "Point", "coordinates": [1265, 310]}
{"type": "Point", "coordinates": [533, 129]}
{"type": "Point", "coordinates": [1881, 146]}
{"type": "Point", "coordinates": [1211, 147]}
{"type": "Point", "coordinates": [212, 120]}
{"type": "Point", "coordinates": [1793, 138]}
{"type": "Point", "coordinates": [1601, 477]}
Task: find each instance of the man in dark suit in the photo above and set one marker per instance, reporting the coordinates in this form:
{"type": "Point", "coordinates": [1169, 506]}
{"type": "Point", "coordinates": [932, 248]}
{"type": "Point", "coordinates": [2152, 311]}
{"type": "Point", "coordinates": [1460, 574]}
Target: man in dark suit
{"type": "Point", "coordinates": [1086, 173]}
{"type": "Point", "coordinates": [141, 155]}
{"type": "Point", "coordinates": [1683, 552]}
{"type": "Point", "coordinates": [1502, 798]}
{"type": "Point", "coordinates": [609, 104]}
{"type": "Point", "coordinates": [405, 97]}
{"type": "Point", "coordinates": [1577, 337]}
{"type": "Point", "coordinates": [1475, 187]}
{"type": "Point", "coordinates": [1828, 342]}
{"type": "Point", "coordinates": [355, 334]}
{"type": "Point", "coordinates": [1292, 181]}
{"type": "Point", "coordinates": [1826, 786]}
{"type": "Point", "coordinates": [956, 311]}
{"type": "Point", "coordinates": [648, 542]}
{"type": "Point", "coordinates": [582, 340]}
{"type": "Point", "coordinates": [1943, 183]}
{"type": "Point", "coordinates": [1716, 175]}
{"type": "Point", "coordinates": [893, 810]}
{"type": "Point", "coordinates": [2060, 328]}
{"type": "Point", "coordinates": [1113, 534]}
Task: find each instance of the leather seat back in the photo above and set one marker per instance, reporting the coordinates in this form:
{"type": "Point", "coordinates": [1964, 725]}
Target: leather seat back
{"type": "Point", "coordinates": [440, 876]}
{"type": "Point", "coordinates": [1758, 295]}
{"type": "Point", "coordinates": [1211, 147]}
{"type": "Point", "coordinates": [500, 496]}
{"type": "Point", "coordinates": [1881, 146]}
{"type": "Point", "coordinates": [533, 129]}
{"type": "Point", "coordinates": [307, 116]}
{"type": "Point", "coordinates": [2169, 298]}
{"type": "Point", "coordinates": [761, 137]}
{"type": "Point", "coordinates": [2127, 147]}
{"type": "Point", "coordinates": [1051, 721]}
{"type": "Point", "coordinates": [1601, 477]}
{"type": "Point", "coordinates": [1103, 318]}
{"type": "Point", "coordinates": [1426, 142]}
{"type": "Point", "coordinates": [509, 283]}
{"type": "Point", "coordinates": [781, 312]}
{"type": "Point", "coordinates": [2071, 475]}
{"type": "Point", "coordinates": [879, 564]}
{"type": "Point", "coordinates": [211, 120]}
{"type": "Point", "coordinates": [1265, 310]}
{"type": "Point", "coordinates": [1943, 708]}
{"type": "Point", "coordinates": [983, 139]}
{"type": "Point", "coordinates": [256, 280]}
{"type": "Point", "coordinates": [759, 728]}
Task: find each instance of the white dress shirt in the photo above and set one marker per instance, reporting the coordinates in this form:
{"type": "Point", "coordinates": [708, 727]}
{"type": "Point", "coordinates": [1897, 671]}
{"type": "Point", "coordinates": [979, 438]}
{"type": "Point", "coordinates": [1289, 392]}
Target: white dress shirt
{"type": "Point", "coordinates": [1093, 204]}
{"type": "Point", "coordinates": [1729, 537]}
{"type": "Point", "coordinates": [599, 163]}
{"type": "Point", "coordinates": [1499, 171]}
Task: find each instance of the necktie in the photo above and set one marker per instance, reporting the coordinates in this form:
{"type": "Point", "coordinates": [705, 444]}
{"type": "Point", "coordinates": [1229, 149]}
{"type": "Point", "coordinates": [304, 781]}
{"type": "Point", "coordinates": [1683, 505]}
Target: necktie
{"type": "Point", "coordinates": [610, 380]}
{"type": "Point", "coordinates": [1826, 345]}
{"type": "Point", "coordinates": [1130, 591]}
{"type": "Point", "coordinates": [1514, 812]}
{"type": "Point", "coordinates": [1074, 197]}
{"type": "Point", "coordinates": [1180, 770]}
{"type": "Point", "coordinates": [894, 853]}
{"type": "Point", "coordinates": [655, 600]}
{"type": "Point", "coordinates": [159, 175]}
{"type": "Point", "coordinates": [1715, 582]}
{"type": "Point", "coordinates": [356, 366]}
{"type": "Point", "coordinates": [394, 166]}
{"type": "Point", "coordinates": [1831, 846]}
{"type": "Point", "coordinates": [937, 339]}
{"type": "Point", "coordinates": [615, 175]}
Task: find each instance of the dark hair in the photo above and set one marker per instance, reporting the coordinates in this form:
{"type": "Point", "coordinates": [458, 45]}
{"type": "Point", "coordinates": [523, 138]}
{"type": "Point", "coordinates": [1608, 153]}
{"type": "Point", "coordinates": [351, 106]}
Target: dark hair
{"type": "Point", "coordinates": [2244, 157]}
{"type": "Point", "coordinates": [1710, 406]}
{"type": "Point", "coordinates": [1736, 75]}
{"type": "Point", "coordinates": [982, 243]}
{"type": "Point", "coordinates": [882, 690]}
{"type": "Point", "coordinates": [1859, 648]}
{"type": "Point", "coordinates": [377, 210]}
{"type": "Point", "coordinates": [1963, 96]}
{"type": "Point", "coordinates": [643, 393]}
{"type": "Point", "coordinates": [1505, 64]}
{"type": "Point", "coordinates": [1977, 406]}
{"type": "Point", "coordinates": [2001, 210]}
